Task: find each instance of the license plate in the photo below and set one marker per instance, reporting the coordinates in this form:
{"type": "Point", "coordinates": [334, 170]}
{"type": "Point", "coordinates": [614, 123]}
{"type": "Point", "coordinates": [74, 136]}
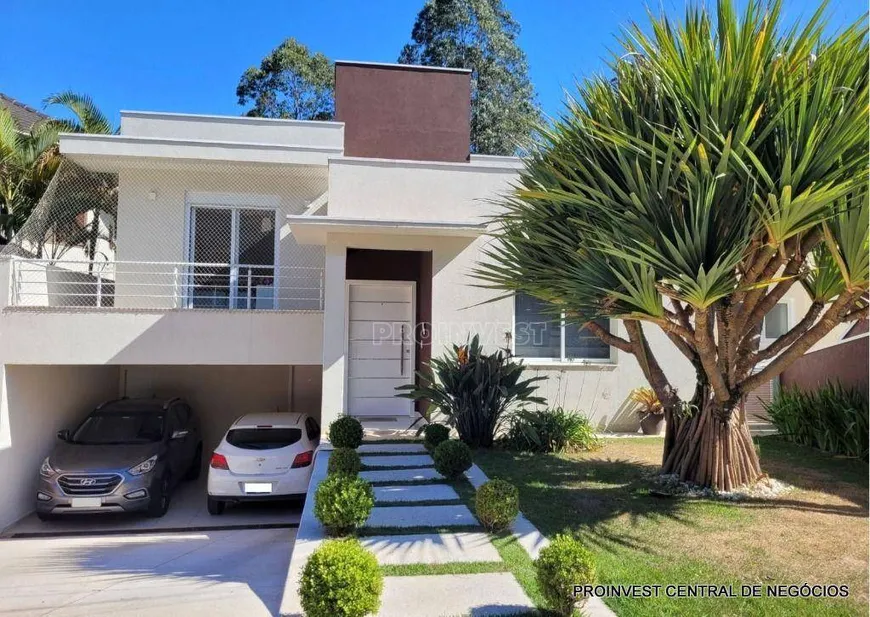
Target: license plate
{"type": "Point", "coordinates": [258, 487]}
{"type": "Point", "coordinates": [86, 502]}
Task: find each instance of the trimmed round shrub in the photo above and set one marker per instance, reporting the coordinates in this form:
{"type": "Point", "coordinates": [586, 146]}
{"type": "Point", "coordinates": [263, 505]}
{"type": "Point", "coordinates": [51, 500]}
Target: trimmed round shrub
{"type": "Point", "coordinates": [497, 504]}
{"type": "Point", "coordinates": [452, 458]}
{"type": "Point", "coordinates": [342, 503]}
{"type": "Point", "coordinates": [343, 461]}
{"type": "Point", "coordinates": [560, 566]}
{"type": "Point", "coordinates": [346, 432]}
{"type": "Point", "coordinates": [341, 579]}
{"type": "Point", "coordinates": [434, 434]}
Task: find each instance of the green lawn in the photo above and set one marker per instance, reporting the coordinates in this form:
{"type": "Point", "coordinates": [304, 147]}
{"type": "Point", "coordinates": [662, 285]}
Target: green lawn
{"type": "Point", "coordinates": [817, 533]}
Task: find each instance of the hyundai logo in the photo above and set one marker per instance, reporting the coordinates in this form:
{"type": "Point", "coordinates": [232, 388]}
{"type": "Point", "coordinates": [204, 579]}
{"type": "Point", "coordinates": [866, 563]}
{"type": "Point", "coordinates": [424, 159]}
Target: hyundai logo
{"type": "Point", "coordinates": [87, 481]}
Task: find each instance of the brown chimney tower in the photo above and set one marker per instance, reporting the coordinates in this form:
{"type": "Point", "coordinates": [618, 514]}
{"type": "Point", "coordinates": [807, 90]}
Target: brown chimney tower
{"type": "Point", "coordinates": [399, 111]}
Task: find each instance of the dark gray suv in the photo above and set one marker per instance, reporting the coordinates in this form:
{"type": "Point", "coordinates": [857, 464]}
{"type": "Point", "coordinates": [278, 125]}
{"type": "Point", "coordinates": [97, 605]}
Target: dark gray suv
{"type": "Point", "coordinates": [126, 456]}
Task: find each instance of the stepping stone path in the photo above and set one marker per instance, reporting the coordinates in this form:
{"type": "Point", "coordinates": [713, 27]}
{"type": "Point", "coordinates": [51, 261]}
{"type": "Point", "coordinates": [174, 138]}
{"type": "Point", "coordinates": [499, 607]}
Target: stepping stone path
{"type": "Point", "coordinates": [411, 493]}
{"type": "Point", "coordinates": [422, 460]}
{"type": "Point", "coordinates": [401, 475]}
{"type": "Point", "coordinates": [431, 595]}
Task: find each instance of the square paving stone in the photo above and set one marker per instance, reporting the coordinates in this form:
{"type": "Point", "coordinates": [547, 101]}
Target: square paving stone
{"type": "Point", "coordinates": [431, 548]}
{"type": "Point", "coordinates": [401, 475]}
{"type": "Point", "coordinates": [479, 595]}
{"type": "Point", "coordinates": [392, 448]}
{"type": "Point", "coordinates": [422, 492]}
{"type": "Point", "coordinates": [411, 460]}
{"type": "Point", "coordinates": [421, 516]}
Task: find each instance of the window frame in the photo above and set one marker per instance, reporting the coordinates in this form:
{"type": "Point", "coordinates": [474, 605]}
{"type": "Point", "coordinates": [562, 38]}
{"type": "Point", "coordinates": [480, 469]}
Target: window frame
{"type": "Point", "coordinates": [562, 360]}
{"type": "Point", "coordinates": [766, 341]}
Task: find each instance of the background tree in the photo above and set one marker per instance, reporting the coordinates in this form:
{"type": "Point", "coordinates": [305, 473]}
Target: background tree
{"type": "Point", "coordinates": [724, 164]}
{"type": "Point", "coordinates": [88, 202]}
{"type": "Point", "coordinates": [480, 35]}
{"type": "Point", "coordinates": [27, 164]}
{"type": "Point", "coordinates": [291, 82]}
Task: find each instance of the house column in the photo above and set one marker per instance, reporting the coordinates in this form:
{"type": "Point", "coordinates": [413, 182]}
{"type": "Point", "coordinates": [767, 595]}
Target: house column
{"type": "Point", "coordinates": [334, 343]}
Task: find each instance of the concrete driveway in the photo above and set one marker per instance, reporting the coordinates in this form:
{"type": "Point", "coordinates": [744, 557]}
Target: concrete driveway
{"type": "Point", "coordinates": [209, 573]}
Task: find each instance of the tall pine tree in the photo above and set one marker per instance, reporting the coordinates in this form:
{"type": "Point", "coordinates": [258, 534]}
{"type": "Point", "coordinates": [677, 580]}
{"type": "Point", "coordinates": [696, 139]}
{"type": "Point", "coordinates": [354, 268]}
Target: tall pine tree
{"type": "Point", "coordinates": [480, 35]}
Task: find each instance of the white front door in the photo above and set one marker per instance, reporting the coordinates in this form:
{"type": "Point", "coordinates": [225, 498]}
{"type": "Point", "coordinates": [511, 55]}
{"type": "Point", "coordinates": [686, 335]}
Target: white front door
{"type": "Point", "coordinates": [380, 347]}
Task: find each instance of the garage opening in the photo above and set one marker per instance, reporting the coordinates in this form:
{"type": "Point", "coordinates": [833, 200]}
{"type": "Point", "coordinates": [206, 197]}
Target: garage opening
{"type": "Point", "coordinates": [38, 401]}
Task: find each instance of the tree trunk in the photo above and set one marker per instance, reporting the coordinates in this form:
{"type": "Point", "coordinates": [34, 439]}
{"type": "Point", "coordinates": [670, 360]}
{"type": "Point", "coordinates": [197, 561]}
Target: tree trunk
{"type": "Point", "coordinates": [711, 447]}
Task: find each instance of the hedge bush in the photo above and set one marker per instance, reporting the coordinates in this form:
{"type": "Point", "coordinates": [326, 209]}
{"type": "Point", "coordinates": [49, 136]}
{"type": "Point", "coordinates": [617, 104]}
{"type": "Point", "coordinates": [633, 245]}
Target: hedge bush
{"type": "Point", "coordinates": [346, 432]}
{"type": "Point", "coordinates": [344, 461]}
{"type": "Point", "coordinates": [560, 566]}
{"type": "Point", "coordinates": [551, 430]}
{"type": "Point", "coordinates": [497, 504]}
{"type": "Point", "coordinates": [452, 458]}
{"type": "Point", "coordinates": [341, 579]}
{"type": "Point", "coordinates": [833, 418]}
{"type": "Point", "coordinates": [434, 434]}
{"type": "Point", "coordinates": [342, 503]}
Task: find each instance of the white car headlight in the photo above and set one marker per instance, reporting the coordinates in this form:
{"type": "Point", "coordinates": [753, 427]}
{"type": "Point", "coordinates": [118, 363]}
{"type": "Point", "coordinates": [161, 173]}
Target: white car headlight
{"type": "Point", "coordinates": [46, 469]}
{"type": "Point", "coordinates": [143, 467]}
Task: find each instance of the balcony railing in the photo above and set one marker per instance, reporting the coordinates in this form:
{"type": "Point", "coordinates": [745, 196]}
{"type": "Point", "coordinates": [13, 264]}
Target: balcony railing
{"type": "Point", "coordinates": [164, 285]}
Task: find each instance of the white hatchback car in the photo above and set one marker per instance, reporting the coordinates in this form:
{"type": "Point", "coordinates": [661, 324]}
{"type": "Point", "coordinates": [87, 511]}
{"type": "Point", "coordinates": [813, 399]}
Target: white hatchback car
{"type": "Point", "coordinates": [263, 456]}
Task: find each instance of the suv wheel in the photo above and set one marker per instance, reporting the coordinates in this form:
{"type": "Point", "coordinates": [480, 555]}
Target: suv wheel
{"type": "Point", "coordinates": [195, 466]}
{"type": "Point", "coordinates": [215, 507]}
{"type": "Point", "coordinates": [160, 493]}
{"type": "Point", "coordinates": [44, 516]}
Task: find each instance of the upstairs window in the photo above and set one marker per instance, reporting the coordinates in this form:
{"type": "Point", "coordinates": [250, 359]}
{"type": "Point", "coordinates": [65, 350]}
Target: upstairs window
{"type": "Point", "coordinates": [540, 334]}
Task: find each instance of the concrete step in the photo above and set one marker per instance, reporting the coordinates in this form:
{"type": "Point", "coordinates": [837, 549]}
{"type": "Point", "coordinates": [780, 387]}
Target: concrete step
{"type": "Point", "coordinates": [411, 493]}
{"type": "Point", "coordinates": [401, 475]}
{"type": "Point", "coordinates": [402, 460]}
{"type": "Point", "coordinates": [480, 595]}
{"type": "Point", "coordinates": [432, 548]}
{"type": "Point", "coordinates": [392, 448]}
{"type": "Point", "coordinates": [415, 516]}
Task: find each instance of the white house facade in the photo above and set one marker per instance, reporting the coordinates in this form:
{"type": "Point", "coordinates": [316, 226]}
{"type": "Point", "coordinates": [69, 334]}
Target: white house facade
{"type": "Point", "coordinates": [253, 264]}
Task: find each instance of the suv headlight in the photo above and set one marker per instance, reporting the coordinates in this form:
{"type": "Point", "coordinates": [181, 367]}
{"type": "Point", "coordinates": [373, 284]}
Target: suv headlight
{"type": "Point", "coordinates": [46, 469]}
{"type": "Point", "coordinates": [143, 467]}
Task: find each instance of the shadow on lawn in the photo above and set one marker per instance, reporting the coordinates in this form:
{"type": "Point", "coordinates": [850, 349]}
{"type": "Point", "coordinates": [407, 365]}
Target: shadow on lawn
{"type": "Point", "coordinates": [585, 494]}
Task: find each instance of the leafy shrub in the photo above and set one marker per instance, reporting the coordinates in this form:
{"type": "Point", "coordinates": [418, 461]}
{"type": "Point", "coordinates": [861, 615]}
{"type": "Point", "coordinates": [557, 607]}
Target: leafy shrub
{"type": "Point", "coordinates": [434, 434]}
{"type": "Point", "coordinates": [551, 430]}
{"type": "Point", "coordinates": [833, 419]}
{"type": "Point", "coordinates": [452, 458]}
{"type": "Point", "coordinates": [342, 503]}
{"type": "Point", "coordinates": [497, 504]}
{"type": "Point", "coordinates": [560, 566]}
{"type": "Point", "coordinates": [346, 432]}
{"type": "Point", "coordinates": [474, 390]}
{"type": "Point", "coordinates": [344, 461]}
{"type": "Point", "coordinates": [341, 579]}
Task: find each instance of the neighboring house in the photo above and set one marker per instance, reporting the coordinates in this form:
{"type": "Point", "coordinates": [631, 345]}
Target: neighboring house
{"type": "Point", "coordinates": [23, 115]}
{"type": "Point", "coordinates": [278, 264]}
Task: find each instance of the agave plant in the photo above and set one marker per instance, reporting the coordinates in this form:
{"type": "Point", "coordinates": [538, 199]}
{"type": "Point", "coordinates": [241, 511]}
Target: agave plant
{"type": "Point", "coordinates": [722, 163]}
{"type": "Point", "coordinates": [647, 401]}
{"type": "Point", "coordinates": [474, 391]}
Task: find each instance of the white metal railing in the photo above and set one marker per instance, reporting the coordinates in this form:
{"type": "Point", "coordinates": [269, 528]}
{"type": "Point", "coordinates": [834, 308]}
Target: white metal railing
{"type": "Point", "coordinates": [164, 285]}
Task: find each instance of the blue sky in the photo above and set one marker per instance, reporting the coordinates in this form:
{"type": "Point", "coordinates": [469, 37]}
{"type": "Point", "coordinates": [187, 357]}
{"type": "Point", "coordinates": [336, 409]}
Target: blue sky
{"type": "Point", "coordinates": [187, 56]}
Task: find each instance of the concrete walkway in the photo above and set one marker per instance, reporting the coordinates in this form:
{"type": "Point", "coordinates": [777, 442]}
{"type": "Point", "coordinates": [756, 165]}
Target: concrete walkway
{"type": "Point", "coordinates": [432, 595]}
{"type": "Point", "coordinates": [408, 498]}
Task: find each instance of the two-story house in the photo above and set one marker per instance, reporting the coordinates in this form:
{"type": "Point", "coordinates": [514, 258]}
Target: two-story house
{"type": "Point", "coordinates": [254, 264]}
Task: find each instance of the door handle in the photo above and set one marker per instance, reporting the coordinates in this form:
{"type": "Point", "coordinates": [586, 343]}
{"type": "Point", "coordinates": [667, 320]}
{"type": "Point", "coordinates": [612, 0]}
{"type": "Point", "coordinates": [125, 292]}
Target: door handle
{"type": "Point", "coordinates": [402, 352]}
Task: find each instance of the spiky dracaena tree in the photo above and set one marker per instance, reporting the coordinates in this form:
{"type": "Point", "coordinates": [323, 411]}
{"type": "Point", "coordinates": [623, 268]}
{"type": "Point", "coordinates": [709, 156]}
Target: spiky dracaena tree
{"type": "Point", "coordinates": [723, 164]}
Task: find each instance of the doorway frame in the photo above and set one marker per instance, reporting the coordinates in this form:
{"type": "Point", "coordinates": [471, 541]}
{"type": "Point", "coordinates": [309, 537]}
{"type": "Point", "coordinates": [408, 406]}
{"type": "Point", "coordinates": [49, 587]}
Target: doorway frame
{"type": "Point", "coordinates": [413, 346]}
